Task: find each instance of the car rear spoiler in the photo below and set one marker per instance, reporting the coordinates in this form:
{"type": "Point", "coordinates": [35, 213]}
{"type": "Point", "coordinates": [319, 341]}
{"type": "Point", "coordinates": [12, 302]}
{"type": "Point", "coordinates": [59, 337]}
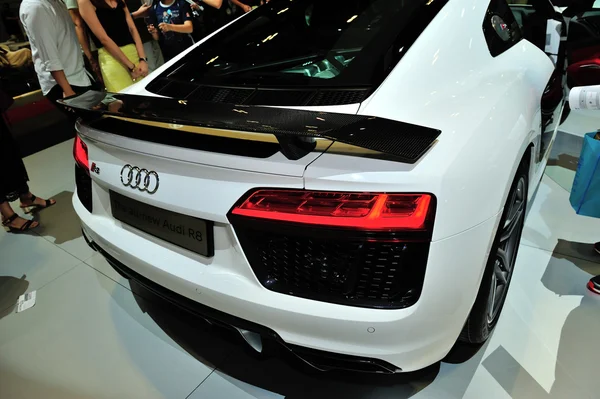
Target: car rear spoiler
{"type": "Point", "coordinates": [295, 130]}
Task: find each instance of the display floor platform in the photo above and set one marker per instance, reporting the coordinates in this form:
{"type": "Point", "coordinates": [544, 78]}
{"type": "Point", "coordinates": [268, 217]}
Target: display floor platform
{"type": "Point", "coordinates": [90, 336]}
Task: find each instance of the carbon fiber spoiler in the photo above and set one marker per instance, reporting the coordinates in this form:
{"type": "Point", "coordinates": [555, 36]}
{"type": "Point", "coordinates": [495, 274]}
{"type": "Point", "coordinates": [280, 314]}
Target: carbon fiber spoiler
{"type": "Point", "coordinates": [295, 130]}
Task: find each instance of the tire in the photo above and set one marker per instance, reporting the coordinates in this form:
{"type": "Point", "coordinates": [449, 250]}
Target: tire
{"type": "Point", "coordinates": [501, 263]}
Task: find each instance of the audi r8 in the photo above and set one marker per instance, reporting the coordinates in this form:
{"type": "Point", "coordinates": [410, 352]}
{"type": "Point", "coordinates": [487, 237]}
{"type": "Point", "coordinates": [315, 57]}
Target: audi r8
{"type": "Point", "coordinates": [348, 179]}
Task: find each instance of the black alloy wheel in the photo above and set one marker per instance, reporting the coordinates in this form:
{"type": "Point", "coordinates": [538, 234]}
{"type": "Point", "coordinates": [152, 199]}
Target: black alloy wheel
{"type": "Point", "coordinates": [500, 265]}
{"type": "Point", "coordinates": [506, 253]}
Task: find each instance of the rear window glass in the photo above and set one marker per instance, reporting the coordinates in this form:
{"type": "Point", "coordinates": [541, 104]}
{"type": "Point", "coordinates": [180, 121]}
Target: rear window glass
{"type": "Point", "coordinates": [330, 43]}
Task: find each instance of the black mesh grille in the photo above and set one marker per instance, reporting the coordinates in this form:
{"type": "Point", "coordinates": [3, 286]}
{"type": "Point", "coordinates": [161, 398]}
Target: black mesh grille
{"type": "Point", "coordinates": [236, 96]}
{"type": "Point", "coordinates": [335, 266]}
{"type": "Point", "coordinates": [84, 187]}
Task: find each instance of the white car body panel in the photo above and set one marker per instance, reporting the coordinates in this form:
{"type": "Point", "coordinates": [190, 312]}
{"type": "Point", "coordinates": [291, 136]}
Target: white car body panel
{"type": "Point", "coordinates": [490, 133]}
{"type": "Point", "coordinates": [488, 110]}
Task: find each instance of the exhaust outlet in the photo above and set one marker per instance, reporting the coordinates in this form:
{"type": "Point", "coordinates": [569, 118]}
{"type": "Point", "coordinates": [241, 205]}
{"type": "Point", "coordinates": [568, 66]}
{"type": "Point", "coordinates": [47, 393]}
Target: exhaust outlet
{"type": "Point", "coordinates": [253, 339]}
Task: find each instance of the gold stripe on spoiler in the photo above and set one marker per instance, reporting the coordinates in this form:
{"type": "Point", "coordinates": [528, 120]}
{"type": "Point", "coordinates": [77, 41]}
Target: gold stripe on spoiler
{"type": "Point", "coordinates": [332, 147]}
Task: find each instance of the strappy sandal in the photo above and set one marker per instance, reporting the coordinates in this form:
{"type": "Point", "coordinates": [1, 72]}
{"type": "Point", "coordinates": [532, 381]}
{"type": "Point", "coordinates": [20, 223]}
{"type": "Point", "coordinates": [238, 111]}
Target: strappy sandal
{"type": "Point", "coordinates": [25, 227]}
{"type": "Point", "coordinates": [36, 207]}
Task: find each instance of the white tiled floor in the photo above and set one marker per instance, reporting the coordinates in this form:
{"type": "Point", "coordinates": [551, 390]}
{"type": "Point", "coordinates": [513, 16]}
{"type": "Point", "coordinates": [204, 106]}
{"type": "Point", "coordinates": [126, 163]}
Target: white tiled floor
{"type": "Point", "coordinates": [581, 122]}
{"type": "Point", "coordinates": [89, 336]}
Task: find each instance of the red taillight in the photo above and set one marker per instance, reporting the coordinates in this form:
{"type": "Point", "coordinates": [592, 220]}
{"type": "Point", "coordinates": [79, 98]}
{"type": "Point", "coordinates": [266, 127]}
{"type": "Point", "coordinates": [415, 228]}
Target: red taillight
{"type": "Point", "coordinates": [363, 211]}
{"type": "Point", "coordinates": [80, 153]}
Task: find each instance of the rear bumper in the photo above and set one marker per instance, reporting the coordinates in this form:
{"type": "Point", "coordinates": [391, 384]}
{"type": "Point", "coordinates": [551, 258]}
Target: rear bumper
{"type": "Point", "coordinates": [324, 335]}
{"type": "Point", "coordinates": [320, 360]}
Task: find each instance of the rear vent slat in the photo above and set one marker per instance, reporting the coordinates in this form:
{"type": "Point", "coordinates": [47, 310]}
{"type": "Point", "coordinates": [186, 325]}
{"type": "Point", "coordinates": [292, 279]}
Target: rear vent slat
{"type": "Point", "coordinates": [177, 90]}
{"type": "Point", "coordinates": [156, 86]}
{"type": "Point", "coordinates": [252, 96]}
{"type": "Point", "coordinates": [282, 97]}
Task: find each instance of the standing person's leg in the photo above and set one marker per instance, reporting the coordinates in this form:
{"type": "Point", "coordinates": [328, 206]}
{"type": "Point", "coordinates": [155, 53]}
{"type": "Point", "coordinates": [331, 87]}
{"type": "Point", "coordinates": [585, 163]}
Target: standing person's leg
{"type": "Point", "coordinates": [154, 55]}
{"type": "Point", "coordinates": [29, 203]}
{"type": "Point", "coordinates": [12, 222]}
{"type": "Point", "coordinates": [13, 183]}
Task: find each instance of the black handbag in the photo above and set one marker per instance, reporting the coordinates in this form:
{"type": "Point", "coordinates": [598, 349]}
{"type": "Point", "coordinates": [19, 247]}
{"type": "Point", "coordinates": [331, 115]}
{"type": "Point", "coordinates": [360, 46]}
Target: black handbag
{"type": "Point", "coordinates": [5, 101]}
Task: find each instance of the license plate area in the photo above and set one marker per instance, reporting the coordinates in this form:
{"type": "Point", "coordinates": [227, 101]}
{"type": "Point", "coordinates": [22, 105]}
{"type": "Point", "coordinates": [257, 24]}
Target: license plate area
{"type": "Point", "coordinates": [182, 230]}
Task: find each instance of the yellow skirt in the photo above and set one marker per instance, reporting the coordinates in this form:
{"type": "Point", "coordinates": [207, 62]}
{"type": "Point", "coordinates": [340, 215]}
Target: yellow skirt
{"type": "Point", "coordinates": [116, 77]}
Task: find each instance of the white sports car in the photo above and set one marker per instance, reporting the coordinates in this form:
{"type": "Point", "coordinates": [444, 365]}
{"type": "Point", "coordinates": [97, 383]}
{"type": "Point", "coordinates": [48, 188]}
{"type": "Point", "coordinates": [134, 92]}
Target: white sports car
{"type": "Point", "coordinates": [346, 178]}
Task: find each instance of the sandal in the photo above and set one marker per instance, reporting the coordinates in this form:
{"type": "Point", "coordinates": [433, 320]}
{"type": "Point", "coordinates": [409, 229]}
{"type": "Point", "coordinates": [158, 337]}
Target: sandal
{"type": "Point", "coordinates": [36, 207]}
{"type": "Point", "coordinates": [25, 227]}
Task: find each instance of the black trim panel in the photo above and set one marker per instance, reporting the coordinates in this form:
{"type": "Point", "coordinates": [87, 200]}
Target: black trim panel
{"type": "Point", "coordinates": [154, 134]}
{"type": "Point", "coordinates": [83, 184]}
{"type": "Point", "coordinates": [404, 141]}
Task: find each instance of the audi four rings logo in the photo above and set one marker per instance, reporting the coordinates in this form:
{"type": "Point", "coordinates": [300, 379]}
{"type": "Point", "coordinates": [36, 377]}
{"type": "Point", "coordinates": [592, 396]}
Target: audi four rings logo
{"type": "Point", "coordinates": [142, 179]}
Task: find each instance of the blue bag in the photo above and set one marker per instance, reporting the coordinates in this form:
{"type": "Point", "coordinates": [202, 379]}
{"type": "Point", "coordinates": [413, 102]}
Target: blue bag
{"type": "Point", "coordinates": [585, 195]}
